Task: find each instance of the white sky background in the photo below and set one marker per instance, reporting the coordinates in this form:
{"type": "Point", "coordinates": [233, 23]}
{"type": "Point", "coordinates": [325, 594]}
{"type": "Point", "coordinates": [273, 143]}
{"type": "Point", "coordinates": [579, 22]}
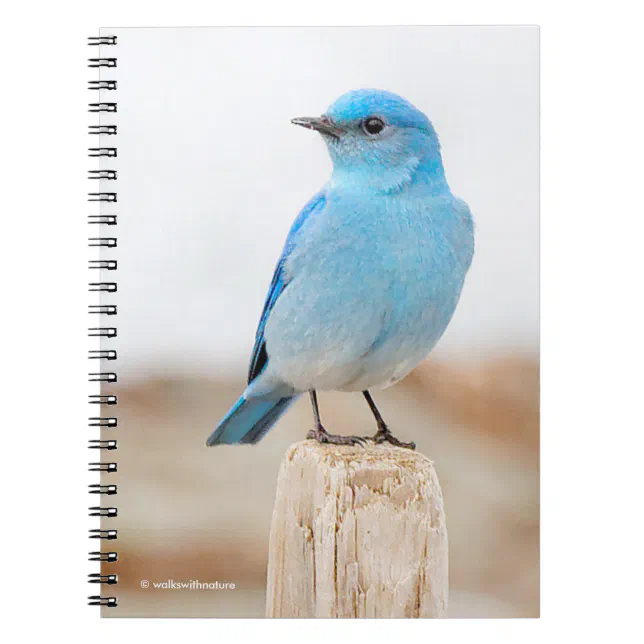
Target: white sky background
{"type": "Point", "coordinates": [211, 174]}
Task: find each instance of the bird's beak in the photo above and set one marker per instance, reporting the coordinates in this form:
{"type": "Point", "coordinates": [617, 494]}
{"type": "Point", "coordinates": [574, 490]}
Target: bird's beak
{"type": "Point", "coordinates": [322, 124]}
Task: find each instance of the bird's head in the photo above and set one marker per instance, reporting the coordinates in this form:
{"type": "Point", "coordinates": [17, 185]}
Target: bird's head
{"type": "Point", "coordinates": [379, 141]}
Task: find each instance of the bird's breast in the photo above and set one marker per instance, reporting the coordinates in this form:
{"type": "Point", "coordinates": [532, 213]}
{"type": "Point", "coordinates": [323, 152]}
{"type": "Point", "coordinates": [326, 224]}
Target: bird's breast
{"type": "Point", "coordinates": [373, 286]}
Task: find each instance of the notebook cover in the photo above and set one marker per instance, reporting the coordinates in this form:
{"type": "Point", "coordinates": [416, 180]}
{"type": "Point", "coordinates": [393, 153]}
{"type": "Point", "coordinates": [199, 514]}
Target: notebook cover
{"type": "Point", "coordinates": [196, 178]}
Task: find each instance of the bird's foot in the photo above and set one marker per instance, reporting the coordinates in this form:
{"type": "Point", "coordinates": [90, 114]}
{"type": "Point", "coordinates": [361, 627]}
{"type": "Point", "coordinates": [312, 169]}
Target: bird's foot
{"type": "Point", "coordinates": [383, 435]}
{"type": "Point", "coordinates": [321, 436]}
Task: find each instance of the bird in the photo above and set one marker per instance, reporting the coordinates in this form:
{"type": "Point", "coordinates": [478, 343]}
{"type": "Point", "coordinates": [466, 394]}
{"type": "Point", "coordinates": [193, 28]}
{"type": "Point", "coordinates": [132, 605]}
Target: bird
{"type": "Point", "coordinates": [370, 274]}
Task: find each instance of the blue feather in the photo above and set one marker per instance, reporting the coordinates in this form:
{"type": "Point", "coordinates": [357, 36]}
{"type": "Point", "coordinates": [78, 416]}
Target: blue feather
{"type": "Point", "coordinates": [259, 357]}
{"type": "Point", "coordinates": [249, 420]}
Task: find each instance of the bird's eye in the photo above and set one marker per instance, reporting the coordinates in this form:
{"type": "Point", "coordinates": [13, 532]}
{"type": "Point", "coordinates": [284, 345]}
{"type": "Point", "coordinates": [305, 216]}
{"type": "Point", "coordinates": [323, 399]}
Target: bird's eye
{"type": "Point", "coordinates": [373, 125]}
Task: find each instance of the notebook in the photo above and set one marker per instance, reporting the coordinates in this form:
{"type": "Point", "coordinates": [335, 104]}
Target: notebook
{"type": "Point", "coordinates": [315, 319]}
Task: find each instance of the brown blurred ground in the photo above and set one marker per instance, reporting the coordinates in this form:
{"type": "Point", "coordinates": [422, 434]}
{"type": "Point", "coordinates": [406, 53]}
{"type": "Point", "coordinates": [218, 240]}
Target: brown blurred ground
{"type": "Point", "coordinates": [187, 512]}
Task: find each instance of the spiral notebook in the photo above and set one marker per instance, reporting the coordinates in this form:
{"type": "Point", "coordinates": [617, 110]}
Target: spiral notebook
{"type": "Point", "coordinates": [332, 234]}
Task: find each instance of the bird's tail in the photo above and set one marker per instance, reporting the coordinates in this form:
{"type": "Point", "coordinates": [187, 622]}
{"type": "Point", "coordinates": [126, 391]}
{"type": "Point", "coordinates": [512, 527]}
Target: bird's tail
{"type": "Point", "coordinates": [249, 420]}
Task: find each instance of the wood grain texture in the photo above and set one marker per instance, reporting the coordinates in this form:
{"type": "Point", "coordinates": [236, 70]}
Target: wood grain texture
{"type": "Point", "coordinates": [357, 532]}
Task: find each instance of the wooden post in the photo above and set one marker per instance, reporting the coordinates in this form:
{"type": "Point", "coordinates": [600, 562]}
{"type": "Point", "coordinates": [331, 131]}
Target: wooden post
{"type": "Point", "coordinates": [357, 532]}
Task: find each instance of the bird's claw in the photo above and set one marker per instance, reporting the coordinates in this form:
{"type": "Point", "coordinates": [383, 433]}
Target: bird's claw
{"type": "Point", "coordinates": [385, 436]}
{"type": "Point", "coordinates": [321, 436]}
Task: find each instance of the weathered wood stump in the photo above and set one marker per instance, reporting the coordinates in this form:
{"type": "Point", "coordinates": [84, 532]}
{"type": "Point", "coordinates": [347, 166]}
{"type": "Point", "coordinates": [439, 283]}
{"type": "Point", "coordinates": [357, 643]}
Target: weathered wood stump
{"type": "Point", "coordinates": [357, 532]}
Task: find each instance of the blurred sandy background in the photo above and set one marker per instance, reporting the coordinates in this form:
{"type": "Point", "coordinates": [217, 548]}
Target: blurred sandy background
{"type": "Point", "coordinates": [211, 174]}
{"type": "Point", "coordinates": [188, 512]}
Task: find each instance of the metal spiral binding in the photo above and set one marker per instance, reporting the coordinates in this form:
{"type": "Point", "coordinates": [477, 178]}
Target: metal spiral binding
{"type": "Point", "coordinates": [98, 399]}
{"type": "Point", "coordinates": [97, 578]}
{"type": "Point", "coordinates": [106, 287]}
{"type": "Point", "coordinates": [110, 242]}
{"type": "Point", "coordinates": [110, 175]}
{"type": "Point", "coordinates": [103, 534]}
{"type": "Point", "coordinates": [102, 377]}
{"type": "Point", "coordinates": [103, 489]}
{"type": "Point", "coordinates": [107, 355]}
{"type": "Point", "coordinates": [97, 600]}
{"type": "Point", "coordinates": [102, 152]}
{"type": "Point", "coordinates": [103, 129]}
{"type": "Point", "coordinates": [108, 220]}
{"type": "Point", "coordinates": [102, 107]}
{"type": "Point", "coordinates": [101, 511]}
{"type": "Point", "coordinates": [98, 444]}
{"type": "Point", "coordinates": [103, 467]}
{"type": "Point", "coordinates": [104, 556]}
{"type": "Point", "coordinates": [109, 85]}
{"type": "Point", "coordinates": [101, 332]}
{"type": "Point", "coordinates": [103, 264]}
{"type": "Point", "coordinates": [101, 62]}
{"type": "Point", "coordinates": [101, 40]}
{"type": "Point", "coordinates": [100, 421]}
{"type": "Point", "coordinates": [102, 196]}
{"type": "Point", "coordinates": [103, 309]}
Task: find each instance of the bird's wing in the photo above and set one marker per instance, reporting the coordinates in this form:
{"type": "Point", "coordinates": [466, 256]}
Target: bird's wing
{"type": "Point", "coordinates": [259, 357]}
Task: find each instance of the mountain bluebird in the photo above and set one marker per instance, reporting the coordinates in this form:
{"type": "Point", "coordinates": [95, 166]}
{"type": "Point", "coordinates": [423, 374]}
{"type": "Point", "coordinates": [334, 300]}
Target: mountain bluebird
{"type": "Point", "coordinates": [370, 275]}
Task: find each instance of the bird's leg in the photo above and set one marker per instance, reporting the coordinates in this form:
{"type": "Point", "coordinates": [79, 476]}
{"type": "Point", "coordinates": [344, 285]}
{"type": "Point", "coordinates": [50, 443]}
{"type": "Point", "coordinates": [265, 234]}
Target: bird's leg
{"type": "Point", "coordinates": [384, 435]}
{"type": "Point", "coordinates": [320, 434]}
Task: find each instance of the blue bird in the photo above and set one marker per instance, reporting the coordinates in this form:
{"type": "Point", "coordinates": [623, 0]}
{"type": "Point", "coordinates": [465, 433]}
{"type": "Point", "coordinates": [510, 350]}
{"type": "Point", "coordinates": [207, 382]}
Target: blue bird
{"type": "Point", "coordinates": [370, 275]}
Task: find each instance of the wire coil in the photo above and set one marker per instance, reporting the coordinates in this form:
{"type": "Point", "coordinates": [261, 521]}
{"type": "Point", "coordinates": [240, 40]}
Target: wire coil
{"type": "Point", "coordinates": [103, 534]}
{"type": "Point", "coordinates": [106, 196]}
{"type": "Point", "coordinates": [102, 107]}
{"type": "Point", "coordinates": [102, 84]}
{"type": "Point", "coordinates": [97, 600]}
{"type": "Point", "coordinates": [110, 242]}
{"type": "Point", "coordinates": [101, 62]}
{"type": "Point", "coordinates": [101, 40]}
{"type": "Point", "coordinates": [101, 152]}
{"type": "Point", "coordinates": [108, 220]}
{"type": "Point", "coordinates": [102, 196]}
